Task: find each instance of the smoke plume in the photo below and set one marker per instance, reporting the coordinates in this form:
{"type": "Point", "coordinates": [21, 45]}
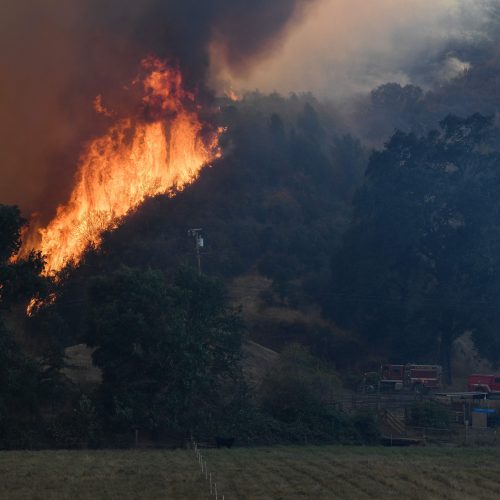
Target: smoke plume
{"type": "Point", "coordinates": [58, 56]}
{"type": "Point", "coordinates": [352, 46]}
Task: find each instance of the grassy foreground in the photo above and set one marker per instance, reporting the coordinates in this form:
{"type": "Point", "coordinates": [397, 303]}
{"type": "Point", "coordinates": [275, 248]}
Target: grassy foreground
{"type": "Point", "coordinates": [260, 473]}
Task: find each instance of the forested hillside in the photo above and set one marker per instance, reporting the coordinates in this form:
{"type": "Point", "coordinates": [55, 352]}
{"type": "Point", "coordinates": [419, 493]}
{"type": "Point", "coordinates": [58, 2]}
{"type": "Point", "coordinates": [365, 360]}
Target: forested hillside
{"type": "Point", "coordinates": [340, 236]}
{"type": "Point", "coordinates": [420, 262]}
{"type": "Point", "coordinates": [274, 207]}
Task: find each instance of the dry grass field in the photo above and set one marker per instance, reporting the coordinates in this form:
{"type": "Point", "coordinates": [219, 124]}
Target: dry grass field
{"type": "Point", "coordinates": [260, 473]}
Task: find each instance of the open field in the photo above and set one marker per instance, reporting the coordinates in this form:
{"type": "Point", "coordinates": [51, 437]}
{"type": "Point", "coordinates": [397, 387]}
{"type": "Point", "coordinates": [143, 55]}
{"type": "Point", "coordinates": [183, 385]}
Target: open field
{"type": "Point", "coordinates": [260, 473]}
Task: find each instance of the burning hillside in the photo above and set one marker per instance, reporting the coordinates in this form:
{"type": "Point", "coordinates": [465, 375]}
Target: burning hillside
{"type": "Point", "coordinates": [79, 177]}
{"type": "Point", "coordinates": [161, 149]}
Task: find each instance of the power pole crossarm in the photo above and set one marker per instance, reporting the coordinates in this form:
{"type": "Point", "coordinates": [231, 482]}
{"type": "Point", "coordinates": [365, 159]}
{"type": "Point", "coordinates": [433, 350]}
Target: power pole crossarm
{"type": "Point", "coordinates": [199, 242]}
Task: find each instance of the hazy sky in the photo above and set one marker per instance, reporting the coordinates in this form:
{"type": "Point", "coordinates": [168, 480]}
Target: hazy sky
{"type": "Point", "coordinates": [346, 46]}
{"type": "Point", "coordinates": [58, 55]}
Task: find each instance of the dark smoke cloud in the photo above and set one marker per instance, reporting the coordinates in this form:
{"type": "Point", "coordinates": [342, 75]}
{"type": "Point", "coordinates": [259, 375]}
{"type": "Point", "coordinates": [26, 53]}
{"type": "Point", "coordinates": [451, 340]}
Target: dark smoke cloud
{"type": "Point", "coordinates": [58, 55]}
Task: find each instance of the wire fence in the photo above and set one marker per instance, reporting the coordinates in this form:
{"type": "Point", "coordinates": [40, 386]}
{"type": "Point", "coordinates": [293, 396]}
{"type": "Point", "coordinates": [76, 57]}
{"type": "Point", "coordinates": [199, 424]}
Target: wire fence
{"type": "Point", "coordinates": [208, 475]}
{"type": "Point", "coordinates": [374, 402]}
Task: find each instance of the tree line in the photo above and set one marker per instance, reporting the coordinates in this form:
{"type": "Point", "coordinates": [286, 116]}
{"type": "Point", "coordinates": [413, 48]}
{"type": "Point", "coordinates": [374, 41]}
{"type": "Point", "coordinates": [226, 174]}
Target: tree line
{"type": "Point", "coordinates": [397, 249]}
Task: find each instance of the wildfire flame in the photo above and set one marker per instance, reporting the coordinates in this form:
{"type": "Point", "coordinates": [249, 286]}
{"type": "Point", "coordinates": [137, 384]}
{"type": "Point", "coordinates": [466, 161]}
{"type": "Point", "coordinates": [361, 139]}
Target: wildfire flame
{"type": "Point", "coordinates": [134, 160]}
{"type": "Point", "coordinates": [232, 95]}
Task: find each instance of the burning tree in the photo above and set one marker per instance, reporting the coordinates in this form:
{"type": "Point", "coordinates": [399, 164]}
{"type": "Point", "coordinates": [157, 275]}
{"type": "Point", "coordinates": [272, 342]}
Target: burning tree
{"type": "Point", "coordinates": [163, 147]}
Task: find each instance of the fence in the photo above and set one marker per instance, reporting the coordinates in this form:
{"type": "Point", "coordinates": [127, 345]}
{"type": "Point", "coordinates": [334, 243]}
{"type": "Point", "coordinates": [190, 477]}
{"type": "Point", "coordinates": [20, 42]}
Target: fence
{"type": "Point", "coordinates": [480, 436]}
{"type": "Point", "coordinates": [433, 435]}
{"type": "Point", "coordinates": [375, 402]}
{"type": "Point", "coordinates": [393, 411]}
{"type": "Point", "coordinates": [206, 474]}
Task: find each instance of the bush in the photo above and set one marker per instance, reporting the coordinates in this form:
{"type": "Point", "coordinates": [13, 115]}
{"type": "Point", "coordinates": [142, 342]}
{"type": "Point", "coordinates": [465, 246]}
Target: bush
{"type": "Point", "coordinates": [79, 428]}
{"type": "Point", "coordinates": [365, 427]}
{"type": "Point", "coordinates": [295, 403]}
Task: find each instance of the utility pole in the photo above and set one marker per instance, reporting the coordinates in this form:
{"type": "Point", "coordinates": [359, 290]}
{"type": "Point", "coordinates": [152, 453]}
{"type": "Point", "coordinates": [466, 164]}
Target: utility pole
{"type": "Point", "coordinates": [196, 234]}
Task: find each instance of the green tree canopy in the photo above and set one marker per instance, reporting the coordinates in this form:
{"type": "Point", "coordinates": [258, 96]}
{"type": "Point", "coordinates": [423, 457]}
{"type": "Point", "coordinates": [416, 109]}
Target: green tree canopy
{"type": "Point", "coordinates": [169, 352]}
{"type": "Point", "coordinates": [420, 263]}
{"type": "Point", "coordinates": [24, 384]}
{"type": "Point", "coordinates": [20, 280]}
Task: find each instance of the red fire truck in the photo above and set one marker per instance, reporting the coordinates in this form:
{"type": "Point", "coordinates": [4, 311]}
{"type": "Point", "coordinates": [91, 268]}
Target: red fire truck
{"type": "Point", "coordinates": [484, 383]}
{"type": "Point", "coordinates": [410, 377]}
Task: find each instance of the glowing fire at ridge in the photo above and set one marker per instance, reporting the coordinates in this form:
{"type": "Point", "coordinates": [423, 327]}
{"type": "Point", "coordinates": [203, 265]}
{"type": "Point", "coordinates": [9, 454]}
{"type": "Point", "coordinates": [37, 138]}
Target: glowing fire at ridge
{"type": "Point", "coordinates": [131, 162]}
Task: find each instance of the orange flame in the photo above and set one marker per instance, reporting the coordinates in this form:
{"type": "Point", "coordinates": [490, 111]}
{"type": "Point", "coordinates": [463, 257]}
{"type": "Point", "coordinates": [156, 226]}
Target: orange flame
{"type": "Point", "coordinates": [232, 95]}
{"type": "Point", "coordinates": [133, 161]}
{"type": "Point", "coordinates": [36, 303]}
{"type": "Point", "coordinates": [100, 108]}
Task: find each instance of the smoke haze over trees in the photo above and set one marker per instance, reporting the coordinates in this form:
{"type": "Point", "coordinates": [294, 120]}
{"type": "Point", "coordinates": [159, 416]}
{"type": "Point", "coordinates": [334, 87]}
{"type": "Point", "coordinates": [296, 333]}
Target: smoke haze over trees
{"type": "Point", "coordinates": [420, 263]}
{"type": "Point", "coordinates": [59, 56]}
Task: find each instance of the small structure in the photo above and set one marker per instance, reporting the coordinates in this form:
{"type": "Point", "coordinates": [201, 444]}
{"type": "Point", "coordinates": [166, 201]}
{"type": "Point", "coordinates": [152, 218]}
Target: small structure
{"type": "Point", "coordinates": [483, 417]}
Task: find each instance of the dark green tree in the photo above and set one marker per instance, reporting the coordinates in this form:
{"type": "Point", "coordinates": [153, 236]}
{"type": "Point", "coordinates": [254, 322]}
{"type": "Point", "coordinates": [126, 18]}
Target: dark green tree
{"type": "Point", "coordinates": [22, 387]}
{"type": "Point", "coordinates": [24, 383]}
{"type": "Point", "coordinates": [420, 263]}
{"type": "Point", "coordinates": [169, 352]}
{"type": "Point", "coordinates": [20, 279]}
{"type": "Point", "coordinates": [298, 388]}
